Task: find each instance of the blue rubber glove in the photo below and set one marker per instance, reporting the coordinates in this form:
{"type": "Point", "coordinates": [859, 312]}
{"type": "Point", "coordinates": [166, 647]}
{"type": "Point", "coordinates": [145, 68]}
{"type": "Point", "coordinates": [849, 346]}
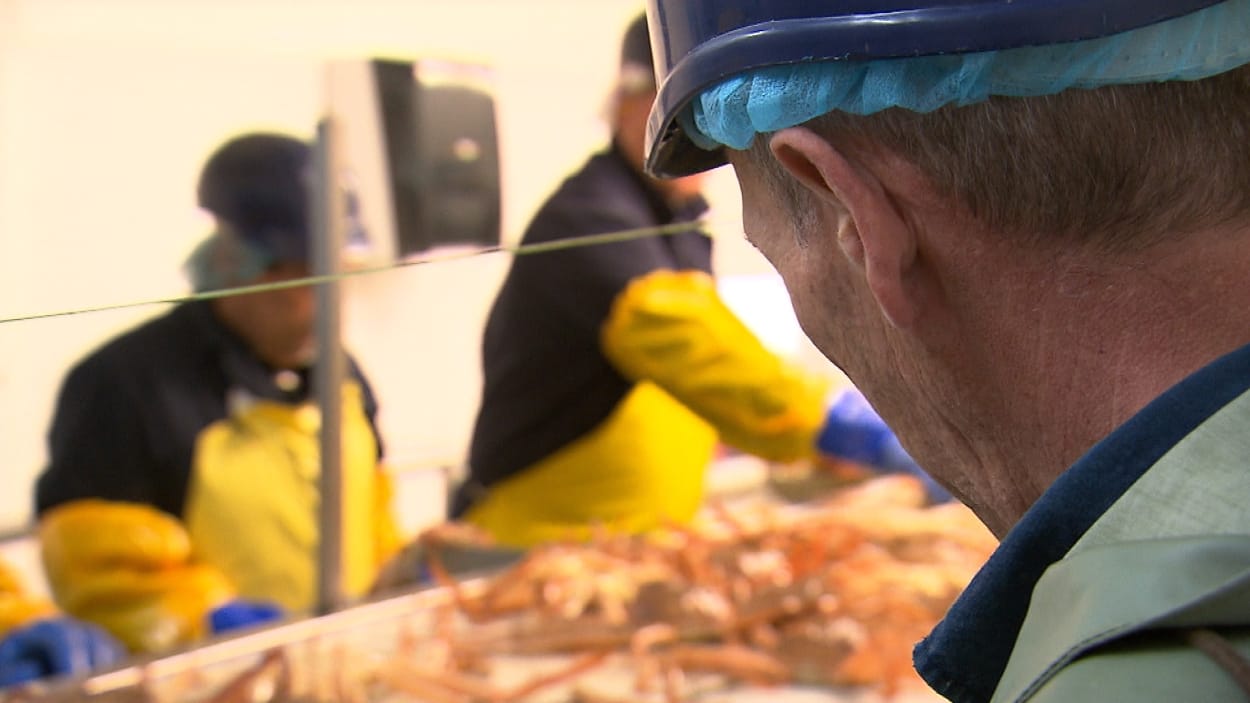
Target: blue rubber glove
{"type": "Point", "coordinates": [853, 431]}
{"type": "Point", "coordinates": [56, 647]}
{"type": "Point", "coordinates": [241, 614]}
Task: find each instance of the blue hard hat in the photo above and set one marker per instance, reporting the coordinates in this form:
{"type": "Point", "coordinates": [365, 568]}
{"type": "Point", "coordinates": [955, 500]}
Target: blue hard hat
{"type": "Point", "coordinates": [698, 43]}
{"type": "Point", "coordinates": [257, 184]}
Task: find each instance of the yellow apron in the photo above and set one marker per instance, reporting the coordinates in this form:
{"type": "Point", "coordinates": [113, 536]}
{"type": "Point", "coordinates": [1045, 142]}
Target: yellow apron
{"type": "Point", "coordinates": [253, 504]}
{"type": "Point", "coordinates": [641, 468]}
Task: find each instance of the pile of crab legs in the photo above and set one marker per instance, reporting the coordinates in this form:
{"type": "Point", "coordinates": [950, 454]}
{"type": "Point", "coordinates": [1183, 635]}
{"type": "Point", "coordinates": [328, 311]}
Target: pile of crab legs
{"type": "Point", "coordinates": [834, 596]}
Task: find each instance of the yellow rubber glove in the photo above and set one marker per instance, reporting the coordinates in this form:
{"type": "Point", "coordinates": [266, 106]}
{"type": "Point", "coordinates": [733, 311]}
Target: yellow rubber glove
{"type": "Point", "coordinates": [671, 328]}
{"type": "Point", "coordinates": [17, 606]}
{"type": "Point", "coordinates": [129, 569]}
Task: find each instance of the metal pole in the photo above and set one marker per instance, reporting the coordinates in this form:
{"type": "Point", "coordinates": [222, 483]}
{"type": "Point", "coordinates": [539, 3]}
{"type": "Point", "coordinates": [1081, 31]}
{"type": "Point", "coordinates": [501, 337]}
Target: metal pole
{"type": "Point", "coordinates": [328, 219]}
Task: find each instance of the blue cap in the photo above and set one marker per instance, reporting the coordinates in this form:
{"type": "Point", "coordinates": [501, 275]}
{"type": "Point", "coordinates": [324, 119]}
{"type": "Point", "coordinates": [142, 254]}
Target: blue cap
{"type": "Point", "coordinates": [258, 185]}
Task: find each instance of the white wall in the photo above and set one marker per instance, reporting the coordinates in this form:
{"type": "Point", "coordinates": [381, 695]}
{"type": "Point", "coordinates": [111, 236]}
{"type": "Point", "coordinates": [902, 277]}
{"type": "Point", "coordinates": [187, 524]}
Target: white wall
{"type": "Point", "coordinates": [108, 107]}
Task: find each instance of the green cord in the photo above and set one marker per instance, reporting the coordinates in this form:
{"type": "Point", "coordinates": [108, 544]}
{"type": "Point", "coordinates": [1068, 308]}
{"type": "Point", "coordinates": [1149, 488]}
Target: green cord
{"type": "Point", "coordinates": [520, 250]}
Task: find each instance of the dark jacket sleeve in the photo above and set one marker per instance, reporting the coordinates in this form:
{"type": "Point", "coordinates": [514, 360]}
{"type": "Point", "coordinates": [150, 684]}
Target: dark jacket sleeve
{"type": "Point", "coordinates": [96, 444]}
{"type": "Point", "coordinates": [583, 281]}
{"type": "Point", "coordinates": [369, 399]}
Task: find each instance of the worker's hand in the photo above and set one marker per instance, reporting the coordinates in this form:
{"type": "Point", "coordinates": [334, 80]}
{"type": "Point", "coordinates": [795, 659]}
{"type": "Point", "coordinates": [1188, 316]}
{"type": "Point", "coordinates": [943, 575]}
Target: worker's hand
{"type": "Point", "coordinates": [243, 614]}
{"type": "Point", "coordinates": [854, 432]}
{"type": "Point", "coordinates": [56, 647]}
{"type": "Point", "coordinates": [406, 569]}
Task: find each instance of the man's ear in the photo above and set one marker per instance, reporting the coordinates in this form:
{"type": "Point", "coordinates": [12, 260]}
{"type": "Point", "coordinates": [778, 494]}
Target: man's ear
{"type": "Point", "coordinates": [872, 232]}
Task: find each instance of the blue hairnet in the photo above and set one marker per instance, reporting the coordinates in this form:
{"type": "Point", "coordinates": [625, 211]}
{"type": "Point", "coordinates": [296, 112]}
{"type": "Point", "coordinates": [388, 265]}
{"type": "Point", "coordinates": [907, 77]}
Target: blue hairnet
{"type": "Point", "coordinates": [225, 260]}
{"type": "Point", "coordinates": [1193, 46]}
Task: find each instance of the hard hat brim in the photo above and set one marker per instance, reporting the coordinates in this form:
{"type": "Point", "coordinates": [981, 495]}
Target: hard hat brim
{"type": "Point", "coordinates": [699, 43]}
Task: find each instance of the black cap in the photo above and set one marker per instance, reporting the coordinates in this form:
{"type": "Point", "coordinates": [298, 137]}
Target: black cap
{"type": "Point", "coordinates": [257, 183]}
{"type": "Point", "coordinates": [636, 45]}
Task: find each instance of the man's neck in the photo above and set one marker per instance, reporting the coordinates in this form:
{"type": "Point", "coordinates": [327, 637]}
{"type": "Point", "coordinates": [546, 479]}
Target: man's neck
{"type": "Point", "coordinates": [1078, 349]}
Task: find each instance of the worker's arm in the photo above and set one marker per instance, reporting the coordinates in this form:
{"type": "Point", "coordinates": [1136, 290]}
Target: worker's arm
{"type": "Point", "coordinates": [672, 328]}
{"type": "Point", "coordinates": [97, 445]}
{"type": "Point", "coordinates": [109, 558]}
{"type": "Point", "coordinates": [656, 317]}
{"type": "Point", "coordinates": [129, 569]}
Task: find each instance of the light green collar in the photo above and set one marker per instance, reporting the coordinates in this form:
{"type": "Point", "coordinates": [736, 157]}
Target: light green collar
{"type": "Point", "coordinates": [1198, 488]}
{"type": "Point", "coordinates": [1174, 550]}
